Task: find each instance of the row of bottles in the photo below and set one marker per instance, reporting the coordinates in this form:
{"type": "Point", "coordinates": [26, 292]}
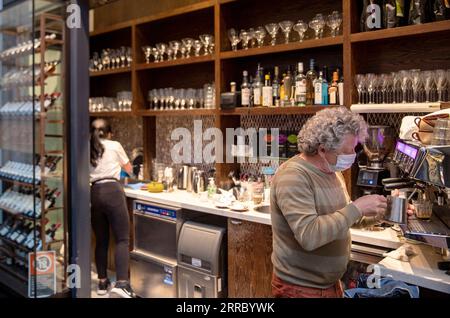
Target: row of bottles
{"type": "Point", "coordinates": [27, 201]}
{"type": "Point", "coordinates": [293, 89]}
{"type": "Point", "coordinates": [384, 14]}
{"type": "Point", "coordinates": [22, 172]}
{"type": "Point", "coordinates": [28, 106]}
{"type": "Point", "coordinates": [27, 233]}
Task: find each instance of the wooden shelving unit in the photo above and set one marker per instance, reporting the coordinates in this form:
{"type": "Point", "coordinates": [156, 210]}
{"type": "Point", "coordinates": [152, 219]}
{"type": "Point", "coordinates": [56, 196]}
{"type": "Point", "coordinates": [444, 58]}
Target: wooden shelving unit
{"type": "Point", "coordinates": [353, 51]}
{"type": "Point", "coordinates": [111, 114]}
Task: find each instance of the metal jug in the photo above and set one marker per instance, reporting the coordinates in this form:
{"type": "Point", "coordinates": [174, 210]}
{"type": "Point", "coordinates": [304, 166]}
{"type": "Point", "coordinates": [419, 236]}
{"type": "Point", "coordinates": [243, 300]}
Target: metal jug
{"type": "Point", "coordinates": [199, 181]}
{"type": "Point", "coordinates": [190, 179]}
{"type": "Point", "coordinates": [396, 210]}
{"type": "Point", "coordinates": [183, 176]}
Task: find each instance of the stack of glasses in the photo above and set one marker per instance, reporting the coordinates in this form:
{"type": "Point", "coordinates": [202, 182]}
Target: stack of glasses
{"type": "Point", "coordinates": [182, 98]}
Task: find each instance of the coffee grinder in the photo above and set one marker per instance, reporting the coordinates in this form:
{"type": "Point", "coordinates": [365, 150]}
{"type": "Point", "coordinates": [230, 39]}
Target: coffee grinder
{"type": "Point", "coordinates": [377, 147]}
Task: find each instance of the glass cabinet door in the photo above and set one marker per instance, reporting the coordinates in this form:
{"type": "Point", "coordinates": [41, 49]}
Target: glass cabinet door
{"type": "Point", "coordinates": [33, 229]}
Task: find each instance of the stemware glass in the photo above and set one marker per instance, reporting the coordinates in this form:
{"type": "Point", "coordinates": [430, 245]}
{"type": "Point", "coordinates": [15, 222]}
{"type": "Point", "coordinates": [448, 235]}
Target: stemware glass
{"type": "Point", "coordinates": [175, 45]}
{"type": "Point", "coordinates": [333, 21]}
{"type": "Point", "coordinates": [123, 56]}
{"type": "Point", "coordinates": [260, 35]}
{"type": "Point", "coordinates": [441, 82]}
{"type": "Point", "coordinates": [129, 57]}
{"type": "Point", "coordinates": [106, 60]}
{"type": "Point", "coordinates": [188, 42]}
{"type": "Point", "coordinates": [360, 82]}
{"type": "Point", "coordinates": [286, 27]}
{"type": "Point", "coordinates": [317, 24]}
{"type": "Point", "coordinates": [272, 29]}
{"type": "Point", "coordinates": [162, 47]}
{"type": "Point", "coordinates": [371, 86]}
{"type": "Point", "coordinates": [197, 47]}
{"type": "Point", "coordinates": [245, 37]}
{"type": "Point", "coordinates": [416, 83]}
{"type": "Point", "coordinates": [147, 53]}
{"type": "Point", "coordinates": [428, 83]}
{"type": "Point", "coordinates": [301, 27]}
{"type": "Point", "coordinates": [155, 53]}
{"type": "Point", "coordinates": [169, 53]}
{"type": "Point", "coordinates": [405, 84]}
{"type": "Point", "coordinates": [251, 33]}
{"type": "Point", "coordinates": [396, 87]}
{"type": "Point", "coordinates": [234, 39]}
{"type": "Point", "coordinates": [206, 41]}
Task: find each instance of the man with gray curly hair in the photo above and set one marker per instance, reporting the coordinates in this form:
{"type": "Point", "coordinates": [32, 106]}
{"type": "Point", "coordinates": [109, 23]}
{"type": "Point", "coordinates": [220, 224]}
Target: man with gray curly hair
{"type": "Point", "coordinates": [311, 210]}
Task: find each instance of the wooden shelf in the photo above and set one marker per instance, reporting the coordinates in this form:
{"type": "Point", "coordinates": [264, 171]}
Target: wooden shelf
{"type": "Point", "coordinates": [14, 271]}
{"type": "Point", "coordinates": [111, 28]}
{"type": "Point", "coordinates": [110, 72]}
{"type": "Point", "coordinates": [178, 11]}
{"type": "Point", "coordinates": [268, 111]}
{"type": "Point", "coordinates": [178, 112]}
{"type": "Point", "coordinates": [396, 108]}
{"type": "Point", "coordinates": [110, 114]}
{"type": "Point", "coordinates": [22, 184]}
{"type": "Point", "coordinates": [405, 31]}
{"type": "Point", "coordinates": [177, 62]}
{"type": "Point", "coordinates": [18, 215]}
{"type": "Point", "coordinates": [279, 48]}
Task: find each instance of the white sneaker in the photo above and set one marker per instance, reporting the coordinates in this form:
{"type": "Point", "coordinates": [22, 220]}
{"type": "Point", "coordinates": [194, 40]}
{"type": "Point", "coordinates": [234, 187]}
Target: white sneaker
{"type": "Point", "coordinates": [122, 290]}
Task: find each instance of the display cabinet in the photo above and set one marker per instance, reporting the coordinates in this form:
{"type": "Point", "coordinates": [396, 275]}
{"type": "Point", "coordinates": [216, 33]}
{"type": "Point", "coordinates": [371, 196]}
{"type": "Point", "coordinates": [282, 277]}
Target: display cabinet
{"type": "Point", "coordinates": [33, 165]}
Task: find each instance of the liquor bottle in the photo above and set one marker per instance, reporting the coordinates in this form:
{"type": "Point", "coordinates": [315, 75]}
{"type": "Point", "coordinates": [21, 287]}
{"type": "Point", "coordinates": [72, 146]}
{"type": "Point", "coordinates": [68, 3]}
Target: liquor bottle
{"type": "Point", "coordinates": [288, 84]}
{"type": "Point", "coordinates": [341, 91]}
{"type": "Point", "coordinates": [276, 87]}
{"type": "Point", "coordinates": [318, 89]}
{"type": "Point", "coordinates": [333, 90]}
{"type": "Point", "coordinates": [245, 90]}
{"type": "Point", "coordinates": [267, 92]}
{"type": "Point", "coordinates": [311, 75]}
{"type": "Point", "coordinates": [325, 86]}
{"type": "Point", "coordinates": [257, 87]}
{"type": "Point", "coordinates": [371, 16]}
{"type": "Point", "coordinates": [300, 86]}
{"type": "Point", "coordinates": [389, 14]}
{"type": "Point", "coordinates": [417, 12]}
{"type": "Point", "coordinates": [282, 91]}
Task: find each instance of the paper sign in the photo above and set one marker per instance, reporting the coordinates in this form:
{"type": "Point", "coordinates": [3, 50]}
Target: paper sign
{"type": "Point", "coordinates": [41, 274]}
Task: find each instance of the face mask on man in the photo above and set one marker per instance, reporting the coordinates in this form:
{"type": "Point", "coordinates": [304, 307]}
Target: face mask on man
{"type": "Point", "coordinates": [343, 162]}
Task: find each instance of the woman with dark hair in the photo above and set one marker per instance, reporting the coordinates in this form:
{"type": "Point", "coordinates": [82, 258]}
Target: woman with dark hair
{"type": "Point", "coordinates": [109, 208]}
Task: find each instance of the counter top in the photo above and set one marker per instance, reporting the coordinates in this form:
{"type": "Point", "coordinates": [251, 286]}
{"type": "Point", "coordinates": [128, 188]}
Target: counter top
{"type": "Point", "coordinates": [183, 199]}
{"type": "Point", "coordinates": [421, 270]}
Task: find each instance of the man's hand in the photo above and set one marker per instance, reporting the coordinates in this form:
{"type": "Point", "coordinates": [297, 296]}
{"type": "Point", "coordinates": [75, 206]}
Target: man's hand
{"type": "Point", "coordinates": [371, 205]}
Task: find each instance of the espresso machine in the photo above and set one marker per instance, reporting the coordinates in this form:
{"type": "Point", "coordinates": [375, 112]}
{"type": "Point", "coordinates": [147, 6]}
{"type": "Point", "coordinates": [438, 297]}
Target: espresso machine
{"type": "Point", "coordinates": [377, 147]}
{"type": "Point", "coordinates": [428, 169]}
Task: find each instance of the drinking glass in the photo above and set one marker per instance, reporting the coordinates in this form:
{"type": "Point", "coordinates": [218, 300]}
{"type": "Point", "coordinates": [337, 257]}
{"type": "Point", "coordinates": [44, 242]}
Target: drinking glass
{"type": "Point", "coordinates": [334, 21]}
{"type": "Point", "coordinates": [272, 29]}
{"type": "Point", "coordinates": [162, 47]}
{"type": "Point", "coordinates": [360, 82]}
{"type": "Point", "coordinates": [371, 85]}
{"type": "Point", "coordinates": [147, 52]}
{"type": "Point", "coordinates": [317, 24]}
{"type": "Point", "coordinates": [234, 38]}
{"type": "Point", "coordinates": [169, 53]}
{"type": "Point", "coordinates": [197, 47]}
{"type": "Point", "coordinates": [175, 45]}
{"type": "Point", "coordinates": [123, 56]}
{"type": "Point", "coordinates": [405, 84]}
{"type": "Point", "coordinates": [441, 132]}
{"type": "Point", "coordinates": [245, 37]}
{"type": "Point", "coordinates": [286, 27]}
{"type": "Point", "coordinates": [188, 43]}
{"type": "Point", "coordinates": [206, 41]}
{"type": "Point", "coordinates": [251, 33]}
{"type": "Point", "coordinates": [301, 27]}
{"type": "Point", "coordinates": [428, 81]}
{"type": "Point", "coordinates": [416, 83]}
{"type": "Point", "coordinates": [260, 35]}
{"type": "Point", "coordinates": [441, 82]}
